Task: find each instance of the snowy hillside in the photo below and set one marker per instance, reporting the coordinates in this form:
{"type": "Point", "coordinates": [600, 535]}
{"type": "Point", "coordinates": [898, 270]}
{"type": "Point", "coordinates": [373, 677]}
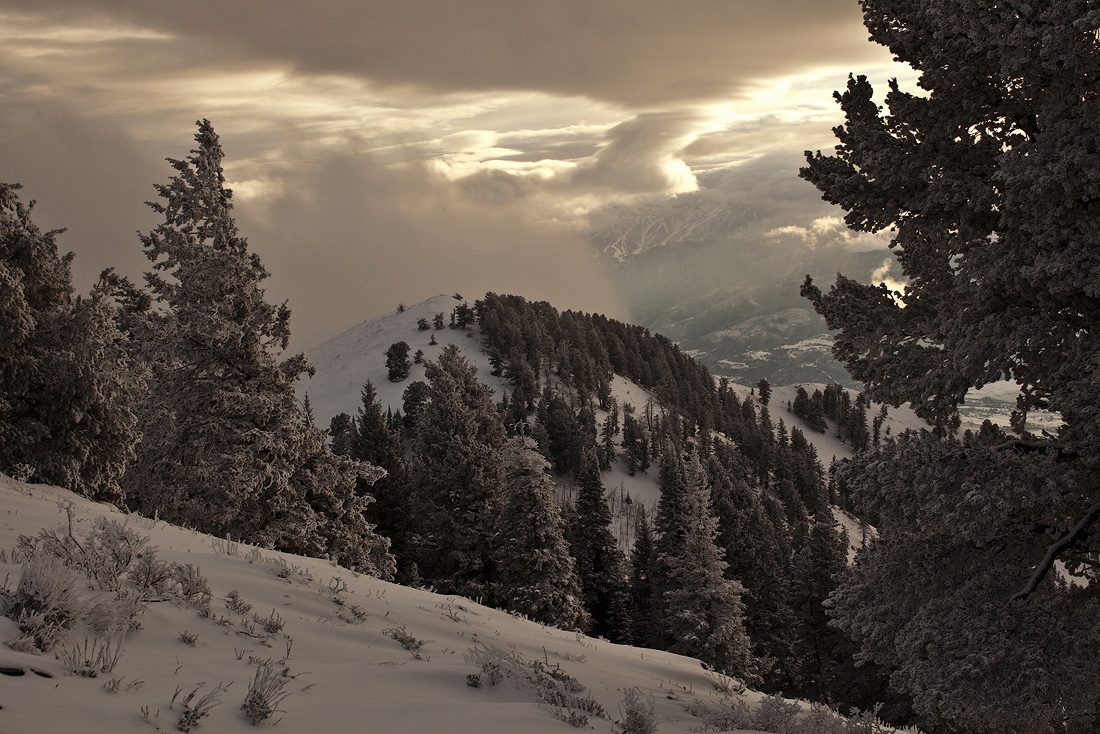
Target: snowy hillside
{"type": "Point", "coordinates": [353, 653]}
{"type": "Point", "coordinates": [345, 363]}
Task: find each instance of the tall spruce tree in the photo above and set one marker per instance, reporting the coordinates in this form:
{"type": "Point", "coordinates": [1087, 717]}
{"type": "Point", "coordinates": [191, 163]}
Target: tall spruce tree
{"type": "Point", "coordinates": [817, 566]}
{"type": "Point", "coordinates": [756, 559]}
{"type": "Point", "coordinates": [703, 612]}
{"type": "Point", "coordinates": [989, 176]}
{"type": "Point", "coordinates": [67, 378]}
{"type": "Point", "coordinates": [645, 607]}
{"type": "Point", "coordinates": [535, 570]}
{"type": "Point", "coordinates": [599, 562]}
{"type": "Point", "coordinates": [455, 471]}
{"type": "Point", "coordinates": [225, 447]}
{"type": "Point", "coordinates": [375, 443]}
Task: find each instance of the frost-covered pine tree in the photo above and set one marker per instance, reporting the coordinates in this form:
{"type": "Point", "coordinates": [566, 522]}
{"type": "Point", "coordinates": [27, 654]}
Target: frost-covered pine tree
{"type": "Point", "coordinates": [987, 177]}
{"type": "Point", "coordinates": [225, 446]}
{"type": "Point", "coordinates": [373, 442]}
{"type": "Point", "coordinates": [455, 475]}
{"type": "Point", "coordinates": [703, 612]}
{"type": "Point", "coordinates": [645, 617]}
{"type": "Point", "coordinates": [66, 375]}
{"type": "Point", "coordinates": [535, 570]}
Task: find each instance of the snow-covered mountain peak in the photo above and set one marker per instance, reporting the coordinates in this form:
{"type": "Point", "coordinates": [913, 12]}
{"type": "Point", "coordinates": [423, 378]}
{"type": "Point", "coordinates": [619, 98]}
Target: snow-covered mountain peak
{"type": "Point", "coordinates": [627, 232]}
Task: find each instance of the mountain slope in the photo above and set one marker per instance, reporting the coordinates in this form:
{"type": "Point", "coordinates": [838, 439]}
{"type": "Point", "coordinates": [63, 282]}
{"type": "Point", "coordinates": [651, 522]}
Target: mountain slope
{"type": "Point", "coordinates": [345, 671]}
{"type": "Point", "coordinates": [346, 362]}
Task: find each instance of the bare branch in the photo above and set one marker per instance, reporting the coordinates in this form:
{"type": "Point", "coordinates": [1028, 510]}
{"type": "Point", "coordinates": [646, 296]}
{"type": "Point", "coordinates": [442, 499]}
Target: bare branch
{"type": "Point", "coordinates": [1056, 549]}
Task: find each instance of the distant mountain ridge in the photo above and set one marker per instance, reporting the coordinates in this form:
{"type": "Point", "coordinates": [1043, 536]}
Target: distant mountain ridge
{"type": "Point", "coordinates": [631, 231]}
{"type": "Point", "coordinates": [697, 270]}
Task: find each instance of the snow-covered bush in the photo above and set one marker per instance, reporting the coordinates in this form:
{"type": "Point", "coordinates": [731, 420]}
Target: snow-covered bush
{"type": "Point", "coordinates": [265, 693]}
{"type": "Point", "coordinates": [552, 685]}
{"type": "Point", "coordinates": [638, 712]}
{"type": "Point", "coordinates": [117, 558]}
{"type": "Point", "coordinates": [46, 603]}
{"type": "Point", "coordinates": [95, 656]}
{"type": "Point", "coordinates": [193, 712]}
{"type": "Point", "coordinates": [777, 715]}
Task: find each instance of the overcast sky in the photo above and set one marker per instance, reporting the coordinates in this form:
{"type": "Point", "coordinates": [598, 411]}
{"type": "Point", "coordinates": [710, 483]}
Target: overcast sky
{"type": "Point", "coordinates": [390, 150]}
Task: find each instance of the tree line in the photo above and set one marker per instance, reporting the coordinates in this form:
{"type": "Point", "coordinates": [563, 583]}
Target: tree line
{"type": "Point", "coordinates": [170, 399]}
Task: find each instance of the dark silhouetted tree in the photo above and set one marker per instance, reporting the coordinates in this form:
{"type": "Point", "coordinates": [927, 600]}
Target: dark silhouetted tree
{"type": "Point", "coordinates": [600, 564]}
{"type": "Point", "coordinates": [989, 176]}
{"type": "Point", "coordinates": [397, 362]}
{"type": "Point", "coordinates": [535, 570]}
{"type": "Point", "coordinates": [455, 471]}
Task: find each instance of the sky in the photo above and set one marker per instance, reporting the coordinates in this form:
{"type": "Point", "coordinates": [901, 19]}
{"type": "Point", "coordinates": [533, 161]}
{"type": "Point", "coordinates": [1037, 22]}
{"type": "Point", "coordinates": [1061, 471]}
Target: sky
{"type": "Point", "coordinates": [388, 151]}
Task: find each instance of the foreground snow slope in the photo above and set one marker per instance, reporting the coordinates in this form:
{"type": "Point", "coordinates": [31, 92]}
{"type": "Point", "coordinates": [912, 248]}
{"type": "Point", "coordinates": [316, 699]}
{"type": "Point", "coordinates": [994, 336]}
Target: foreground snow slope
{"type": "Point", "coordinates": [343, 676]}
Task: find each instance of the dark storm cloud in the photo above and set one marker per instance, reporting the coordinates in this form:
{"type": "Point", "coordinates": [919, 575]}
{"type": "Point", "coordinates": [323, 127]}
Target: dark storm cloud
{"type": "Point", "coordinates": [386, 151]}
{"type": "Point", "coordinates": [352, 234]}
{"type": "Point", "coordinates": [637, 53]}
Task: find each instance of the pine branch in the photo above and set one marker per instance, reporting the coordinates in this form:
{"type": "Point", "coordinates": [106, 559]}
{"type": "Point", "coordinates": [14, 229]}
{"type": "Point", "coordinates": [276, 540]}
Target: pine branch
{"type": "Point", "coordinates": [1055, 549]}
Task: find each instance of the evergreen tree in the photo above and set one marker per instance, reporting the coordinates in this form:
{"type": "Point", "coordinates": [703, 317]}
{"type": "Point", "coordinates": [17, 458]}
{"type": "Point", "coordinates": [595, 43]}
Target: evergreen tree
{"type": "Point", "coordinates": [765, 392]}
{"type": "Point", "coordinates": [990, 181]}
{"type": "Point", "coordinates": [563, 433]}
{"type": "Point", "coordinates": [599, 562]}
{"type": "Point", "coordinates": [645, 621]}
{"type": "Point", "coordinates": [703, 611]}
{"type": "Point", "coordinates": [673, 504]}
{"type": "Point", "coordinates": [535, 570]}
{"type": "Point", "coordinates": [66, 375]}
{"type": "Point", "coordinates": [374, 442]}
{"type": "Point", "coordinates": [341, 433]}
{"type": "Point", "coordinates": [416, 395]}
{"type": "Point", "coordinates": [635, 445]}
{"type": "Point", "coordinates": [754, 552]}
{"type": "Point", "coordinates": [397, 361]}
{"type": "Point", "coordinates": [307, 412]}
{"type": "Point", "coordinates": [225, 448]}
{"type": "Point", "coordinates": [818, 563]}
{"type": "Point", "coordinates": [455, 474]}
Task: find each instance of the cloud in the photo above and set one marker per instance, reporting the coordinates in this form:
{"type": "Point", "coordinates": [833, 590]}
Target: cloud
{"type": "Point", "coordinates": [352, 233]}
{"type": "Point", "coordinates": [636, 53]}
{"type": "Point", "coordinates": [87, 178]}
{"type": "Point", "coordinates": [831, 231]}
{"type": "Point", "coordinates": [882, 275]}
{"type": "Point", "coordinates": [386, 151]}
{"type": "Point", "coordinates": [642, 155]}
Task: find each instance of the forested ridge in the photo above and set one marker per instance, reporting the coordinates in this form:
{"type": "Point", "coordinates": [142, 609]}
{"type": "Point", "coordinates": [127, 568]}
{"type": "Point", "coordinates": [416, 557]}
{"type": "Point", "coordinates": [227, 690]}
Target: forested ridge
{"type": "Point", "coordinates": [732, 568]}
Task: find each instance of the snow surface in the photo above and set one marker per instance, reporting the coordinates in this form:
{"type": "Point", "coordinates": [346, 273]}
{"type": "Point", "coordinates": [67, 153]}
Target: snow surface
{"type": "Point", "coordinates": [342, 677]}
{"type": "Point", "coordinates": [345, 363]}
